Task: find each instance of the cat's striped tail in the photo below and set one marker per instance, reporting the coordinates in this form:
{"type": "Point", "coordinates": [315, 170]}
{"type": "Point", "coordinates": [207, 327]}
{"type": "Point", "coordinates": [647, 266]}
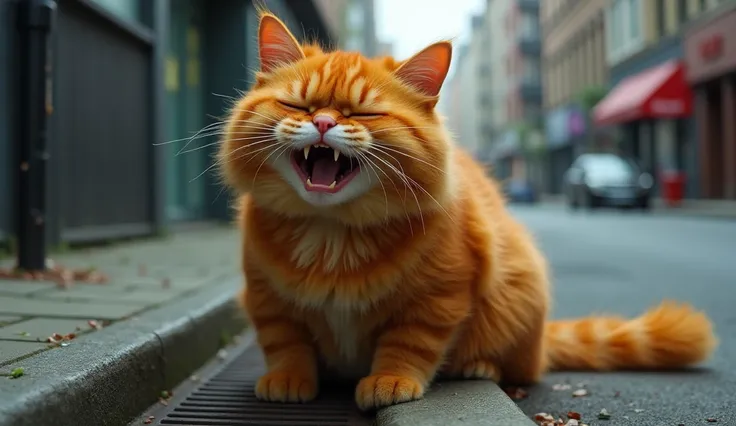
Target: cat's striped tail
{"type": "Point", "coordinates": [668, 336]}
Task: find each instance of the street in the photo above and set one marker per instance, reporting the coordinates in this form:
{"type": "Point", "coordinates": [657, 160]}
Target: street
{"type": "Point", "coordinates": [622, 263]}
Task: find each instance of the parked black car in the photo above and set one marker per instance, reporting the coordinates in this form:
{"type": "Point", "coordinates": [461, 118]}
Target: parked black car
{"type": "Point", "coordinates": [597, 180]}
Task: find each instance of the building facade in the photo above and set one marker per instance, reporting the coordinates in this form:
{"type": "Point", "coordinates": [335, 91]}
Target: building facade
{"type": "Point", "coordinates": [574, 65]}
{"type": "Point", "coordinates": [645, 54]}
{"type": "Point", "coordinates": [710, 54]}
{"type": "Point", "coordinates": [126, 77]}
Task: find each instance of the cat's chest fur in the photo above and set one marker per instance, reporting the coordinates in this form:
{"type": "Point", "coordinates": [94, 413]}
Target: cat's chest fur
{"type": "Point", "coordinates": [353, 352]}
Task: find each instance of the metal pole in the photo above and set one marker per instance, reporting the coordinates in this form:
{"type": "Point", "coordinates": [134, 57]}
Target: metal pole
{"type": "Point", "coordinates": [36, 26]}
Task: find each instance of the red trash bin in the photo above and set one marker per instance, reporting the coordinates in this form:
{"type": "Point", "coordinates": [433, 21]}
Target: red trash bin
{"type": "Point", "coordinates": [673, 187]}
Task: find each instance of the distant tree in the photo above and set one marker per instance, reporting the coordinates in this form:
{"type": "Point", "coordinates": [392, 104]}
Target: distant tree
{"type": "Point", "coordinates": [590, 96]}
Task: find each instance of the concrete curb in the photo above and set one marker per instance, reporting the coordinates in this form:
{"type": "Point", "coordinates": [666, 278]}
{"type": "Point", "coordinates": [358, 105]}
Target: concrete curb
{"type": "Point", "coordinates": [472, 402]}
{"type": "Point", "coordinates": [110, 377]}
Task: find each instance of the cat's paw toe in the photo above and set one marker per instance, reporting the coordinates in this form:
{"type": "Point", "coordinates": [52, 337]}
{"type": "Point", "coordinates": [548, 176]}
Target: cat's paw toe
{"type": "Point", "coordinates": [482, 369]}
{"type": "Point", "coordinates": [382, 390]}
{"type": "Point", "coordinates": [286, 387]}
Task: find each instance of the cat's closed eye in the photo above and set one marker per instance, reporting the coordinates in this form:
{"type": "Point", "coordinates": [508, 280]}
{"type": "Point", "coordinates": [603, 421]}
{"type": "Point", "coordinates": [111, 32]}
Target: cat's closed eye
{"type": "Point", "coordinates": [293, 106]}
{"type": "Point", "coordinates": [367, 115]}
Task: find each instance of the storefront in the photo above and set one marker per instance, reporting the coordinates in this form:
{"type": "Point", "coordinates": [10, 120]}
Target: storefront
{"type": "Point", "coordinates": [652, 109]}
{"type": "Point", "coordinates": [564, 134]}
{"type": "Point", "coordinates": [710, 52]}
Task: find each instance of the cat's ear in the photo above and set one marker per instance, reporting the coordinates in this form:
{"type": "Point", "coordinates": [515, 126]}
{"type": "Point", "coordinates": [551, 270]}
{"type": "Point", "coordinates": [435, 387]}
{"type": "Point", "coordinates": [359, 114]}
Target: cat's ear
{"type": "Point", "coordinates": [277, 46]}
{"type": "Point", "coordinates": [426, 71]}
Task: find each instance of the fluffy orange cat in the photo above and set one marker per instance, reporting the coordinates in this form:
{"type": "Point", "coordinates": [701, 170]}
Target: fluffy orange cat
{"type": "Point", "coordinates": [375, 248]}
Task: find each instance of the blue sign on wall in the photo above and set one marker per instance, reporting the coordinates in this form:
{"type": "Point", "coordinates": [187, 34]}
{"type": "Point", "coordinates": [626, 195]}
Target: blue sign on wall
{"type": "Point", "coordinates": [562, 124]}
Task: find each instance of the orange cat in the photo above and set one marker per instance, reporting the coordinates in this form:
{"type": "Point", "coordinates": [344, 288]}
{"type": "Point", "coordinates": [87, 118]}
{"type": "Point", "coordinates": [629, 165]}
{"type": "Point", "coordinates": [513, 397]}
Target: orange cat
{"type": "Point", "coordinates": [375, 248]}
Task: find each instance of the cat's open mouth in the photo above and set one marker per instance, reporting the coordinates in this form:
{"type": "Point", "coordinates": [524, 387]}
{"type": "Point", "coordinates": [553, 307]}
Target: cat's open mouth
{"type": "Point", "coordinates": [324, 169]}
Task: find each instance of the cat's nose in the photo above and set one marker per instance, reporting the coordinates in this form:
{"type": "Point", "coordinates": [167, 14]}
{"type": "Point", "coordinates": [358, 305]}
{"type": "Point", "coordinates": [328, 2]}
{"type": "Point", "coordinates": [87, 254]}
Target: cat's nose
{"type": "Point", "coordinates": [324, 123]}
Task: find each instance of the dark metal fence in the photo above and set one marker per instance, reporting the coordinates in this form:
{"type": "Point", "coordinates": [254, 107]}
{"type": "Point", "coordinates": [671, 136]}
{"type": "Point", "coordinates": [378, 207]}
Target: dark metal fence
{"type": "Point", "coordinates": [101, 130]}
{"type": "Point", "coordinates": [8, 115]}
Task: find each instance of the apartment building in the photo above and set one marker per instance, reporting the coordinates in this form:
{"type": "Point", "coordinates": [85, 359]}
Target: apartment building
{"type": "Point", "coordinates": [512, 85]}
{"type": "Point", "coordinates": [644, 51]}
{"type": "Point", "coordinates": [710, 54]}
{"type": "Point", "coordinates": [463, 95]}
{"type": "Point", "coordinates": [574, 62]}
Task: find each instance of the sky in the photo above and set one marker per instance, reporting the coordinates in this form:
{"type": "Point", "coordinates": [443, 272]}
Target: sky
{"type": "Point", "coordinates": [413, 24]}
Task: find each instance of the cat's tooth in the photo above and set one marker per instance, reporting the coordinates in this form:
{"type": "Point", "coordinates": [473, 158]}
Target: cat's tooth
{"type": "Point", "coordinates": [309, 182]}
{"type": "Point", "coordinates": [332, 185]}
{"type": "Point", "coordinates": [306, 151]}
{"type": "Point", "coordinates": [337, 154]}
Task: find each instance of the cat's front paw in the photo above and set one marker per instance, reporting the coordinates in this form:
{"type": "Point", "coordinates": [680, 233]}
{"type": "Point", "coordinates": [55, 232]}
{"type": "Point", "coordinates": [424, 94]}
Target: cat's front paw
{"type": "Point", "coordinates": [278, 386]}
{"type": "Point", "coordinates": [482, 369]}
{"type": "Point", "coordinates": [382, 390]}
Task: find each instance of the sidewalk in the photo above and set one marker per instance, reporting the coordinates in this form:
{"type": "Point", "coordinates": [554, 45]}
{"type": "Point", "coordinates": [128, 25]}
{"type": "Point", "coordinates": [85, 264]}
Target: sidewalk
{"type": "Point", "coordinates": [166, 308]}
{"type": "Point", "coordinates": [721, 209]}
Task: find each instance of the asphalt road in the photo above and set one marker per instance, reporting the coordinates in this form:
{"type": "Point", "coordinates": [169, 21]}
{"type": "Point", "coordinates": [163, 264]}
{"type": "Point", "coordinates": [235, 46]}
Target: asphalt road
{"type": "Point", "coordinates": [624, 262]}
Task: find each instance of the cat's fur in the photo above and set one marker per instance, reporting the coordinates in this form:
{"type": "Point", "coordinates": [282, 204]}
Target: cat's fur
{"type": "Point", "coordinates": [415, 268]}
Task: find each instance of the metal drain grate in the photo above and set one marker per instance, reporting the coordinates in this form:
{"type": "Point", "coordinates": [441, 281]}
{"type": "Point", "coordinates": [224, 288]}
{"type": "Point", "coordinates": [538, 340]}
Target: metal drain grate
{"type": "Point", "coordinates": [224, 396]}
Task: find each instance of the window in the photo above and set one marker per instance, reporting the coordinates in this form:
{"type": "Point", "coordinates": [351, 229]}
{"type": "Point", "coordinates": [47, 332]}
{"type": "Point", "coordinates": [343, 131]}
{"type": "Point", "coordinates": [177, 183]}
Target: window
{"type": "Point", "coordinates": [661, 18]}
{"type": "Point", "coordinates": [355, 16]}
{"type": "Point", "coordinates": [624, 29]}
{"type": "Point", "coordinates": [633, 18]}
{"type": "Point", "coordinates": [681, 11]}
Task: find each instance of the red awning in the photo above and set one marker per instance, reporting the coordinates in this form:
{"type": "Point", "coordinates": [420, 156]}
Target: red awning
{"type": "Point", "coordinates": [659, 92]}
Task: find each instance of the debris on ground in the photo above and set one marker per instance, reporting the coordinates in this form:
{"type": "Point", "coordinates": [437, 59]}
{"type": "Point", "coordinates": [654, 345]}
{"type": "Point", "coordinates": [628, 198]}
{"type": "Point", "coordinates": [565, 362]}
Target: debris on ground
{"type": "Point", "coordinates": [17, 372]}
{"type": "Point", "coordinates": [546, 419]}
{"type": "Point", "coordinates": [222, 354]}
{"type": "Point", "coordinates": [574, 415]}
{"type": "Point", "coordinates": [165, 396]}
{"type": "Point", "coordinates": [579, 393]}
{"type": "Point", "coordinates": [604, 415]}
{"type": "Point", "coordinates": [711, 420]}
{"type": "Point", "coordinates": [63, 276]}
{"type": "Point", "coordinates": [94, 324]}
{"type": "Point", "coordinates": [149, 420]}
{"type": "Point", "coordinates": [561, 387]}
{"type": "Point", "coordinates": [516, 394]}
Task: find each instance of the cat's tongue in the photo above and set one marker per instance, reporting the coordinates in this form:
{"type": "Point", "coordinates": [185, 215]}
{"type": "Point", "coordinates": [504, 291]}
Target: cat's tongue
{"type": "Point", "coordinates": [324, 171]}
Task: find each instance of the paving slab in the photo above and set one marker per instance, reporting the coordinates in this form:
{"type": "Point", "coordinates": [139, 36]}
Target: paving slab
{"type": "Point", "coordinates": [129, 294]}
{"type": "Point", "coordinates": [10, 351]}
{"type": "Point", "coordinates": [81, 310]}
{"type": "Point", "coordinates": [12, 287]}
{"type": "Point", "coordinates": [6, 320]}
{"type": "Point", "coordinates": [39, 329]}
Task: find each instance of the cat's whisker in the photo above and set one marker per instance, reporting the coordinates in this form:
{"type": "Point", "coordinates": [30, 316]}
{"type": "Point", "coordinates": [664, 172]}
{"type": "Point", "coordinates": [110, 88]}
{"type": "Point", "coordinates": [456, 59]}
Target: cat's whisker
{"type": "Point", "coordinates": [283, 148]}
{"type": "Point", "coordinates": [391, 129]}
{"type": "Point", "coordinates": [222, 160]}
{"type": "Point", "coordinates": [208, 127]}
{"type": "Point", "coordinates": [378, 178]}
{"type": "Point", "coordinates": [431, 197]}
{"type": "Point", "coordinates": [404, 178]}
{"type": "Point", "coordinates": [261, 115]}
{"type": "Point", "coordinates": [384, 147]}
{"type": "Point", "coordinates": [263, 139]}
{"type": "Point", "coordinates": [374, 167]}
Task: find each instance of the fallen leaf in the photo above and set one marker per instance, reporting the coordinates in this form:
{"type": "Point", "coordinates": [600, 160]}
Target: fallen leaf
{"type": "Point", "coordinates": [516, 394]}
{"type": "Point", "coordinates": [711, 420]}
{"type": "Point", "coordinates": [23, 333]}
{"type": "Point", "coordinates": [580, 392]}
{"type": "Point", "coordinates": [574, 415]}
{"type": "Point", "coordinates": [604, 415]}
{"type": "Point", "coordinates": [540, 417]}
